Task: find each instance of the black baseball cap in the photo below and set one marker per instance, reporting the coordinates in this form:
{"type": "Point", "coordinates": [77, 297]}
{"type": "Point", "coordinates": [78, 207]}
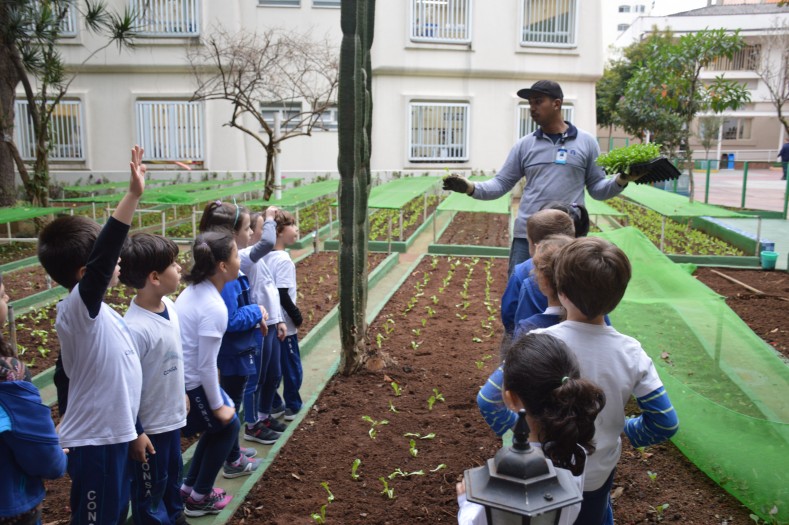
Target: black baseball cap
{"type": "Point", "coordinates": [543, 87]}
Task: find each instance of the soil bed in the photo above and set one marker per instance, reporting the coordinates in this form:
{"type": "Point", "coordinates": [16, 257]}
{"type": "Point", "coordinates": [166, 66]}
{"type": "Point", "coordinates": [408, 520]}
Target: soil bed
{"type": "Point", "coordinates": [766, 315]}
{"type": "Point", "coordinates": [446, 358]}
{"type": "Point", "coordinates": [477, 229]}
{"type": "Point", "coordinates": [438, 355]}
{"type": "Point", "coordinates": [18, 250]}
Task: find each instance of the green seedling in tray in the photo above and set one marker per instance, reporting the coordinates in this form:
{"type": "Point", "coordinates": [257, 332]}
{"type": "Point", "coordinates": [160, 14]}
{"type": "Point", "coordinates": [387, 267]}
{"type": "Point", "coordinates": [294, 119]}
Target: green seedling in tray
{"type": "Point", "coordinates": [638, 159]}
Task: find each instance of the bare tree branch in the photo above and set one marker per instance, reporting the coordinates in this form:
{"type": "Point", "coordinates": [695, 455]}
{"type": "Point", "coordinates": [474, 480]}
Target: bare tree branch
{"type": "Point", "coordinates": [271, 68]}
{"type": "Point", "coordinates": [773, 67]}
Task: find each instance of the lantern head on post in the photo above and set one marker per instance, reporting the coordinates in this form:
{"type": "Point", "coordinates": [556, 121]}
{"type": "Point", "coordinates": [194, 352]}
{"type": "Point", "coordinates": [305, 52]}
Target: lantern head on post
{"type": "Point", "coordinates": [520, 486]}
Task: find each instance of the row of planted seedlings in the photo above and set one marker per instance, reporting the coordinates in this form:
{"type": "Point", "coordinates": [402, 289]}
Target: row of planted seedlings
{"type": "Point", "coordinates": [317, 296]}
{"type": "Point", "coordinates": [672, 237]}
{"type": "Point", "coordinates": [393, 230]}
{"type": "Point", "coordinates": [405, 428]}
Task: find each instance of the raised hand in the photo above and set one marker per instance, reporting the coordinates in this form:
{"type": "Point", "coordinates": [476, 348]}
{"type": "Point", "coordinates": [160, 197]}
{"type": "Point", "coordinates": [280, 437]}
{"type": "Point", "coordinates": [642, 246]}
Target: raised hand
{"type": "Point", "coordinates": [137, 180]}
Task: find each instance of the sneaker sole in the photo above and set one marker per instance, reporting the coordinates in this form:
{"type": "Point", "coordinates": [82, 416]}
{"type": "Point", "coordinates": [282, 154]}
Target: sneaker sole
{"type": "Point", "coordinates": [289, 417]}
{"type": "Point", "coordinates": [237, 474]}
{"type": "Point", "coordinates": [259, 440]}
{"type": "Point", "coordinates": [277, 415]}
{"type": "Point", "coordinates": [198, 513]}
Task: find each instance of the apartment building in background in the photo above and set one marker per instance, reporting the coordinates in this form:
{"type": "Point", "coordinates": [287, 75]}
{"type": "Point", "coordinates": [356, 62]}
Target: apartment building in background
{"type": "Point", "coordinates": [445, 76]}
{"type": "Point", "coordinates": [752, 132]}
{"type": "Point", "coordinates": [618, 16]}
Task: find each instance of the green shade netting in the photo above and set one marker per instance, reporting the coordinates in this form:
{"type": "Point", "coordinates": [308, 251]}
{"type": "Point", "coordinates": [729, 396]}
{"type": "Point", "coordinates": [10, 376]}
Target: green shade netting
{"type": "Point", "coordinates": [107, 198]}
{"type": "Point", "coordinates": [595, 207]}
{"type": "Point", "coordinates": [399, 192]}
{"type": "Point", "coordinates": [196, 197]}
{"type": "Point", "coordinates": [459, 202]}
{"type": "Point", "coordinates": [730, 389]}
{"type": "Point", "coordinates": [298, 197]}
{"type": "Point", "coordinates": [8, 215]}
{"type": "Point", "coordinates": [673, 205]}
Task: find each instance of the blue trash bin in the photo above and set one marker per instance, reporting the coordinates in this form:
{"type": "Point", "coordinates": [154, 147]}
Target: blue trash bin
{"type": "Point", "coordinates": [731, 161]}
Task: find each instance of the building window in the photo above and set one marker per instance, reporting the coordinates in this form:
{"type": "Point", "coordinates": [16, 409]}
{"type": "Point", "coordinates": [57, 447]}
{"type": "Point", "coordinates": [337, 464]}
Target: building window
{"type": "Point", "coordinates": [640, 8]}
{"type": "Point", "coordinates": [291, 114]}
{"type": "Point", "coordinates": [736, 128]}
{"type": "Point", "coordinates": [170, 130]}
{"type": "Point", "coordinates": [624, 8]}
{"type": "Point", "coordinates": [551, 23]}
{"type": "Point", "coordinates": [526, 125]}
{"type": "Point", "coordinates": [746, 59]}
{"type": "Point", "coordinates": [68, 26]}
{"type": "Point", "coordinates": [622, 27]}
{"type": "Point", "coordinates": [167, 18]}
{"type": "Point", "coordinates": [325, 3]}
{"type": "Point", "coordinates": [447, 21]}
{"type": "Point", "coordinates": [279, 3]}
{"type": "Point", "coordinates": [438, 132]}
{"type": "Point", "coordinates": [66, 141]}
{"type": "Point", "coordinates": [327, 119]}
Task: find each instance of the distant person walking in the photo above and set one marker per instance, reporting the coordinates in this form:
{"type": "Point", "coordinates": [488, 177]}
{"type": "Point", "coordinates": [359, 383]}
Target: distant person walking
{"type": "Point", "coordinates": [784, 155]}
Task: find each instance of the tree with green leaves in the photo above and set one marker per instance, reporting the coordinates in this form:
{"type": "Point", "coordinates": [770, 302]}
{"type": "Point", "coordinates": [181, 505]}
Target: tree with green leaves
{"type": "Point", "coordinates": [29, 34]}
{"type": "Point", "coordinates": [670, 81]}
{"type": "Point", "coordinates": [610, 89]}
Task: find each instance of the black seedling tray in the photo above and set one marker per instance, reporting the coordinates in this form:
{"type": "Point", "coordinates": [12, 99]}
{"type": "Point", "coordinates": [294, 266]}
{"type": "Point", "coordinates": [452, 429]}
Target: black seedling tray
{"type": "Point", "coordinates": [656, 170]}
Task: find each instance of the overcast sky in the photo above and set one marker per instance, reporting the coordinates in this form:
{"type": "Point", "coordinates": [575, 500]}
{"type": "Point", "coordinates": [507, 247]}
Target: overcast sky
{"type": "Point", "coordinates": [668, 7]}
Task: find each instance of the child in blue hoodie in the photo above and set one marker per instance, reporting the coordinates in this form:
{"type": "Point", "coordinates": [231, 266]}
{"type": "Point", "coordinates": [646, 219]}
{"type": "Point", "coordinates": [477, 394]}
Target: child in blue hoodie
{"type": "Point", "coordinates": [29, 447]}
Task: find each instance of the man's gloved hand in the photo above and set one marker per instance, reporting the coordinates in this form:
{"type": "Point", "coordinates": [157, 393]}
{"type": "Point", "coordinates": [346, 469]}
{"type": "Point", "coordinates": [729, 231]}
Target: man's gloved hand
{"type": "Point", "coordinates": [455, 182]}
{"type": "Point", "coordinates": [623, 178]}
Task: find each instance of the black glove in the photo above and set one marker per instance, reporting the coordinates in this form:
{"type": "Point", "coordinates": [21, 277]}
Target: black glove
{"type": "Point", "coordinates": [455, 182]}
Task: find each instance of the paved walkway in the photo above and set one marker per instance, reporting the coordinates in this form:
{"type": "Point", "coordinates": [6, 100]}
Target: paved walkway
{"type": "Point", "coordinates": [764, 190]}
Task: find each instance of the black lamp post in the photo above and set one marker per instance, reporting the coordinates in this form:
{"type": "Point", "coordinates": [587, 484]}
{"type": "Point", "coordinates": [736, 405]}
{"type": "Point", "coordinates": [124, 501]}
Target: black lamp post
{"type": "Point", "coordinates": [520, 486]}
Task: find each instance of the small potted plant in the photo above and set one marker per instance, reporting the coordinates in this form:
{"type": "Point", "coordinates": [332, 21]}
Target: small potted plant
{"type": "Point", "coordinates": [642, 160]}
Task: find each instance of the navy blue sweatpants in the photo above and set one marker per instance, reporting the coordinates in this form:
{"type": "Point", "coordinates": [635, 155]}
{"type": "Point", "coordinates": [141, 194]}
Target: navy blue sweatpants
{"type": "Point", "coordinates": [99, 484]}
{"type": "Point", "coordinates": [292, 374]}
{"type": "Point", "coordinates": [156, 485]}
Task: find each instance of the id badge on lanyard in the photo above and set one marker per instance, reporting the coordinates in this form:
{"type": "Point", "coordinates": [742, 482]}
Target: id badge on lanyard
{"type": "Point", "coordinates": [561, 156]}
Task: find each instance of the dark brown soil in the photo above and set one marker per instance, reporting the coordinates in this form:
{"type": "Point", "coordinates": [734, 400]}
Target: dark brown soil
{"type": "Point", "coordinates": [26, 281]}
{"type": "Point", "coordinates": [18, 250]}
{"type": "Point", "coordinates": [439, 358]}
{"type": "Point", "coordinates": [478, 229]}
{"type": "Point", "coordinates": [765, 314]}
{"type": "Point", "coordinates": [291, 489]}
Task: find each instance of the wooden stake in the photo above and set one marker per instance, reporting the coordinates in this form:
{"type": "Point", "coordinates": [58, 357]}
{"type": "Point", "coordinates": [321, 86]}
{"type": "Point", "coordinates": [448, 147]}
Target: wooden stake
{"type": "Point", "coordinates": [748, 287]}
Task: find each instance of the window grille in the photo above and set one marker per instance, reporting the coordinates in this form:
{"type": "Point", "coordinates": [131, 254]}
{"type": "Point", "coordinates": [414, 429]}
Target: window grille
{"type": "Point", "coordinates": [438, 132]}
{"type": "Point", "coordinates": [441, 21]}
{"type": "Point", "coordinates": [65, 139]}
{"type": "Point", "coordinates": [170, 130]}
{"type": "Point", "coordinates": [550, 23]}
{"type": "Point", "coordinates": [167, 18]}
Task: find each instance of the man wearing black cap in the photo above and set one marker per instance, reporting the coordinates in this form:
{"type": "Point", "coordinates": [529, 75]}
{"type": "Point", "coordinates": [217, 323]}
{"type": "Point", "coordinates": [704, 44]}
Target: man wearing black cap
{"type": "Point", "coordinates": [558, 161]}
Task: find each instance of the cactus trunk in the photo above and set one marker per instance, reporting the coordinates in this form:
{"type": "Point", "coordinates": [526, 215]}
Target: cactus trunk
{"type": "Point", "coordinates": [355, 124]}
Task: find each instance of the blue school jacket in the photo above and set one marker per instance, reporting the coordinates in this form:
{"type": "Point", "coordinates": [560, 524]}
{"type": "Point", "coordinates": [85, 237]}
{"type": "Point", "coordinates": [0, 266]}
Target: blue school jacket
{"type": "Point", "coordinates": [237, 352]}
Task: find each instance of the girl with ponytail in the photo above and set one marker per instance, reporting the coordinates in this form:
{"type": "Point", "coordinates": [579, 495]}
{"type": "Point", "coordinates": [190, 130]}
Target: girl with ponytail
{"type": "Point", "coordinates": [203, 318]}
{"type": "Point", "coordinates": [542, 376]}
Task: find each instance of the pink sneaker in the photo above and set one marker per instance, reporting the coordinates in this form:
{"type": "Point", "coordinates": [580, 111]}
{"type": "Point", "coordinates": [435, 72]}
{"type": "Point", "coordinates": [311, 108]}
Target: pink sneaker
{"type": "Point", "coordinates": [212, 504]}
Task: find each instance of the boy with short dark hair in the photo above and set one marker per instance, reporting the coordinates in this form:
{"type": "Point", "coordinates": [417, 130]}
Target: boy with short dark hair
{"type": "Point", "coordinates": [591, 276]}
{"type": "Point", "coordinates": [148, 264]}
{"type": "Point", "coordinates": [284, 272]}
{"type": "Point", "coordinates": [99, 357]}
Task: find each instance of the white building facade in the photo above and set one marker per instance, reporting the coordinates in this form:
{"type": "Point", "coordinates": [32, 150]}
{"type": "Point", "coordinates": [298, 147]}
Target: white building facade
{"type": "Point", "coordinates": [445, 74]}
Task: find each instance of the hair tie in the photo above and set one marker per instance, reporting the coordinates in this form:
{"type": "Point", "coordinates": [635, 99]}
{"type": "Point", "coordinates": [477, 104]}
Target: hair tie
{"type": "Point", "coordinates": [218, 202]}
{"type": "Point", "coordinates": [564, 379]}
{"type": "Point", "coordinates": [574, 204]}
{"type": "Point", "coordinates": [201, 244]}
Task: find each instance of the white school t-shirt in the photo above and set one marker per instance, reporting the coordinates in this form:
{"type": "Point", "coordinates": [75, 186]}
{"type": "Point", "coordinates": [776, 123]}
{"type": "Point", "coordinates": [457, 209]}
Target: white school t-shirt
{"type": "Point", "coordinates": [105, 378]}
{"type": "Point", "coordinates": [158, 342]}
{"type": "Point", "coordinates": [201, 312]}
{"type": "Point", "coordinates": [284, 272]}
{"type": "Point", "coordinates": [620, 367]}
{"type": "Point", "coordinates": [262, 290]}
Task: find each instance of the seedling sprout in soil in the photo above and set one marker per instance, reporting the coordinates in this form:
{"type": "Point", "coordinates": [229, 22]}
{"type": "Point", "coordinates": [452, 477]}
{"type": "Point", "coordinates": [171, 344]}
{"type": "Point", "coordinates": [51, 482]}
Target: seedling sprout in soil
{"type": "Point", "coordinates": [437, 396]}
{"type": "Point", "coordinates": [432, 435]}
{"type": "Point", "coordinates": [401, 473]}
{"type": "Point", "coordinates": [412, 448]}
{"type": "Point", "coordinates": [619, 160]}
{"type": "Point", "coordinates": [373, 423]}
{"type": "Point", "coordinates": [389, 492]}
{"type": "Point", "coordinates": [397, 390]}
{"type": "Point", "coordinates": [392, 408]}
{"type": "Point", "coordinates": [355, 468]}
